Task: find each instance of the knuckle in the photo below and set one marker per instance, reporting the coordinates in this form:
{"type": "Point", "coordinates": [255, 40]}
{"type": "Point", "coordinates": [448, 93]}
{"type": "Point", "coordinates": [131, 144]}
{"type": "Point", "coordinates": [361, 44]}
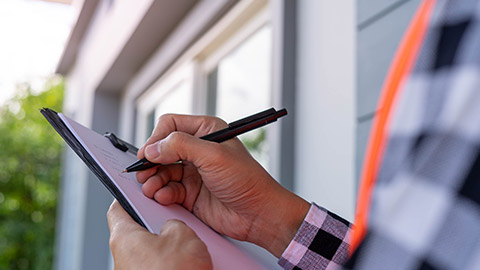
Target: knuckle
{"type": "Point", "coordinates": [164, 118]}
{"type": "Point", "coordinates": [113, 242]}
{"type": "Point", "coordinates": [176, 138]}
{"type": "Point", "coordinates": [111, 210]}
{"type": "Point", "coordinates": [175, 223]}
{"type": "Point", "coordinates": [218, 123]}
{"type": "Point", "coordinates": [214, 122]}
{"type": "Point", "coordinates": [174, 226]}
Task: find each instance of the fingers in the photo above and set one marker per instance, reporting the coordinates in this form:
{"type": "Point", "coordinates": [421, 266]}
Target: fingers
{"type": "Point", "coordinates": [173, 192]}
{"type": "Point", "coordinates": [155, 179]}
{"type": "Point", "coordinates": [142, 176]}
{"type": "Point", "coordinates": [180, 146]}
{"type": "Point", "coordinates": [179, 233]}
{"type": "Point", "coordinates": [194, 125]}
{"type": "Point", "coordinates": [117, 216]}
{"type": "Point", "coordinates": [188, 248]}
{"type": "Point", "coordinates": [173, 226]}
{"type": "Point", "coordinates": [120, 223]}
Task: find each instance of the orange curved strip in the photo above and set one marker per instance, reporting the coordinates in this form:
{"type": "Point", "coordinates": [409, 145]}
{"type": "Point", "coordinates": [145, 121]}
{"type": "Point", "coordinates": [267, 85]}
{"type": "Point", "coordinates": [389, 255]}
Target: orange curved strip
{"type": "Point", "coordinates": [400, 68]}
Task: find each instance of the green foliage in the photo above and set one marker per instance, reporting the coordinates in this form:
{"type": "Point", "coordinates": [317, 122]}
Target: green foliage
{"type": "Point", "coordinates": [30, 153]}
{"type": "Point", "coordinates": [255, 141]}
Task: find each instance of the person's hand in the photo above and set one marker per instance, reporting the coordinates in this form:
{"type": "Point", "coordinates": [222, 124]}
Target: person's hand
{"type": "Point", "coordinates": [219, 182]}
{"type": "Point", "coordinates": [175, 247]}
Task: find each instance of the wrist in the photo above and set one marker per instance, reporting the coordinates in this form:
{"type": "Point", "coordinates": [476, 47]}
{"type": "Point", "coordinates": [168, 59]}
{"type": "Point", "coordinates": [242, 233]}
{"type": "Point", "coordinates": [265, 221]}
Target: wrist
{"type": "Point", "coordinates": [275, 228]}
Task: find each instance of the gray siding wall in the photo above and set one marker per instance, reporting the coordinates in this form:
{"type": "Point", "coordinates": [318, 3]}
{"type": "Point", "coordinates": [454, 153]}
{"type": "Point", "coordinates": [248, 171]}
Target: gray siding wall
{"type": "Point", "coordinates": [381, 25]}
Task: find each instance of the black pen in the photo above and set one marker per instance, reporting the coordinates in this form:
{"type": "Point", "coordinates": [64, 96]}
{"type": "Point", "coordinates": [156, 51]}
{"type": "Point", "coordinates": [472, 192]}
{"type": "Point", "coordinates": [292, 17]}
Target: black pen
{"type": "Point", "coordinates": [234, 129]}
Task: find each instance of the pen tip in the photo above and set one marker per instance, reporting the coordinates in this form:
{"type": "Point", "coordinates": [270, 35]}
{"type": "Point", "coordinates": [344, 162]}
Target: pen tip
{"type": "Point", "coordinates": [124, 171]}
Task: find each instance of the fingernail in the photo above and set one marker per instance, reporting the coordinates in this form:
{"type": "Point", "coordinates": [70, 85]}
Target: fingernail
{"type": "Point", "coordinates": [151, 151]}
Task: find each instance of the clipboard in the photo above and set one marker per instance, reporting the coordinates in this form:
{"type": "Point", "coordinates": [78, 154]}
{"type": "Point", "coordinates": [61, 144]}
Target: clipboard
{"type": "Point", "coordinates": [58, 124]}
{"type": "Point", "coordinates": [225, 254]}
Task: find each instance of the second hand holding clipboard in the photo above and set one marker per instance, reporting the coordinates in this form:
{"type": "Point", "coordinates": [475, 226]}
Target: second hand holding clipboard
{"type": "Point", "coordinates": [234, 129]}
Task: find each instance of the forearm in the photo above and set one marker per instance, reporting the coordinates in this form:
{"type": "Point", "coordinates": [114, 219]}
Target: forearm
{"type": "Point", "coordinates": [275, 227]}
{"type": "Point", "coordinates": [296, 231]}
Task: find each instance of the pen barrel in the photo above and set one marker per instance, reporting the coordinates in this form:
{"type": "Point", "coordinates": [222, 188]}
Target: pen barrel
{"type": "Point", "coordinates": [231, 132]}
{"type": "Point", "coordinates": [147, 164]}
{"type": "Point", "coordinates": [141, 164]}
{"type": "Point", "coordinates": [234, 129]}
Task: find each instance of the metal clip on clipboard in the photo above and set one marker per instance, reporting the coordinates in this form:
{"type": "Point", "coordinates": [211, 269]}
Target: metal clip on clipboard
{"type": "Point", "coordinates": [120, 144]}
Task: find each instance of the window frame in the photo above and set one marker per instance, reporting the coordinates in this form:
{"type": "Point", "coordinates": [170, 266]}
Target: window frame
{"type": "Point", "coordinates": [235, 27]}
{"type": "Point", "coordinates": [148, 102]}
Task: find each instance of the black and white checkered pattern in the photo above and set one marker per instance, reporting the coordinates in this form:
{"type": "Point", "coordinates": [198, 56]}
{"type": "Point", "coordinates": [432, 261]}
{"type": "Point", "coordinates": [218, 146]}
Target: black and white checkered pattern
{"type": "Point", "coordinates": [425, 212]}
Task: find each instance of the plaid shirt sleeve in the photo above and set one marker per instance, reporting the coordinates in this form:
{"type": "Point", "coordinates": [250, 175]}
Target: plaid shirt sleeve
{"type": "Point", "coordinates": [322, 242]}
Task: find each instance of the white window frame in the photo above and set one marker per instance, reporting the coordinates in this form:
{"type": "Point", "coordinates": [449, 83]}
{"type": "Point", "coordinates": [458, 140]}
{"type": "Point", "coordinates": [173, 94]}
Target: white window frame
{"type": "Point", "coordinates": [242, 21]}
{"type": "Point", "coordinates": [149, 101]}
{"type": "Point", "coordinates": [211, 60]}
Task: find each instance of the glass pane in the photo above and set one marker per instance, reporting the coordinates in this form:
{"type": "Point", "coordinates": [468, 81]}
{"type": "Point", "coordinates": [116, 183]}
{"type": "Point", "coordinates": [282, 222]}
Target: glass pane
{"type": "Point", "coordinates": [212, 81]}
{"type": "Point", "coordinates": [243, 87]}
{"type": "Point", "coordinates": [177, 100]}
{"type": "Point", "coordinates": [151, 121]}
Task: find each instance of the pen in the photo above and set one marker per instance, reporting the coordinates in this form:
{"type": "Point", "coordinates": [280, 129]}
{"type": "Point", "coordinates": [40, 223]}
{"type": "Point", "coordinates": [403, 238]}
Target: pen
{"type": "Point", "coordinates": [234, 129]}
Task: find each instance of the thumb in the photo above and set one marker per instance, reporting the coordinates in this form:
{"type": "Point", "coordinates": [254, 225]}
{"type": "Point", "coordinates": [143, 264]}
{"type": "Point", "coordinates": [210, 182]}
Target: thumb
{"type": "Point", "coordinates": [119, 221]}
{"type": "Point", "coordinates": [173, 226]}
{"type": "Point", "coordinates": [182, 146]}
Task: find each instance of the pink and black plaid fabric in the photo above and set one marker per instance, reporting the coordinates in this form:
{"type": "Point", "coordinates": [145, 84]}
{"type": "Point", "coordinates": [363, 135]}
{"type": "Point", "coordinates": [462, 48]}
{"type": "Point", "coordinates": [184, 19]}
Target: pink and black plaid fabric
{"type": "Point", "coordinates": [320, 243]}
{"type": "Point", "coordinates": [425, 211]}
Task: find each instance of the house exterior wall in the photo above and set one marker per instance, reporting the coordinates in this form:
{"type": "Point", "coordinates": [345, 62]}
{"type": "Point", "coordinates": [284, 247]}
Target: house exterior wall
{"type": "Point", "coordinates": [338, 59]}
{"type": "Point", "coordinates": [380, 27]}
{"type": "Point", "coordinates": [324, 146]}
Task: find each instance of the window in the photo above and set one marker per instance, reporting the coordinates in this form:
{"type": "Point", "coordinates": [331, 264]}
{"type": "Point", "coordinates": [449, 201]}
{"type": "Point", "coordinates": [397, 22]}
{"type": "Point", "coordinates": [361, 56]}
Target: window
{"type": "Point", "coordinates": [226, 73]}
{"type": "Point", "coordinates": [171, 94]}
{"type": "Point", "coordinates": [240, 86]}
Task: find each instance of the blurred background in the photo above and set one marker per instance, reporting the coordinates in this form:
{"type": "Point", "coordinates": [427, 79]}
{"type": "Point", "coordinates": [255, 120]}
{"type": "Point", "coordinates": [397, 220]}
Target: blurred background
{"type": "Point", "coordinates": [33, 34]}
{"type": "Point", "coordinates": [117, 65]}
